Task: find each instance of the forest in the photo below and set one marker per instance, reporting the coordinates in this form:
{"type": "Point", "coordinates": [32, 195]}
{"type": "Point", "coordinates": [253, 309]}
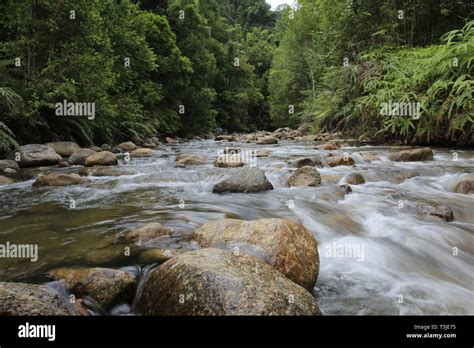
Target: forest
{"type": "Point", "coordinates": [187, 67]}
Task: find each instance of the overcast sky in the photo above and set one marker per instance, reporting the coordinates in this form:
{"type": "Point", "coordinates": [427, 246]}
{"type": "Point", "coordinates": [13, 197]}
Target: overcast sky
{"type": "Point", "coordinates": [275, 3]}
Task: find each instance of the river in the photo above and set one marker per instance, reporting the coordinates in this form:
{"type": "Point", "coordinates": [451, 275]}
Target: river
{"type": "Point", "coordinates": [402, 262]}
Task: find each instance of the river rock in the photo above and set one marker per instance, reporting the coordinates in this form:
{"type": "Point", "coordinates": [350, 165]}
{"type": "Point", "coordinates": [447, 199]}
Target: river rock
{"type": "Point", "coordinates": [106, 147]}
{"type": "Point", "coordinates": [267, 141]}
{"type": "Point", "coordinates": [229, 161]}
{"type": "Point", "coordinates": [107, 286]}
{"type": "Point", "coordinates": [224, 138]}
{"type": "Point", "coordinates": [20, 299]}
{"type": "Point", "coordinates": [425, 154]}
{"type": "Point", "coordinates": [190, 160]}
{"type": "Point", "coordinates": [127, 146]}
{"type": "Point", "coordinates": [9, 171]}
{"type": "Point", "coordinates": [146, 233]}
{"type": "Point", "coordinates": [36, 155]}
{"type": "Point", "coordinates": [303, 162]}
{"type": "Point", "coordinates": [354, 179]}
{"type": "Point", "coordinates": [64, 148]}
{"type": "Point", "coordinates": [246, 180]}
{"type": "Point", "coordinates": [60, 179]}
{"type": "Point", "coordinates": [341, 161]}
{"type": "Point", "coordinates": [284, 244]}
{"type": "Point", "coordinates": [8, 164]}
{"type": "Point", "coordinates": [94, 148]}
{"type": "Point", "coordinates": [79, 157]}
{"type": "Point", "coordinates": [171, 141]}
{"type": "Point", "coordinates": [440, 211]}
{"type": "Point", "coordinates": [465, 186]}
{"type": "Point", "coordinates": [104, 158]}
{"type": "Point", "coordinates": [304, 128]}
{"type": "Point", "coordinates": [330, 146]}
{"type": "Point", "coordinates": [261, 154]}
{"type": "Point", "coordinates": [103, 171]}
{"type": "Point", "coordinates": [142, 153]}
{"type": "Point", "coordinates": [305, 177]}
{"type": "Point", "coordinates": [5, 181]}
{"type": "Point", "coordinates": [217, 282]}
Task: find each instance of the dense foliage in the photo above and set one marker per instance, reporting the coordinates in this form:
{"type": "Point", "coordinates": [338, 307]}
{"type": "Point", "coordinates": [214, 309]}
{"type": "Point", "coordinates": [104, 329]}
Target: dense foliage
{"type": "Point", "coordinates": [338, 61]}
{"type": "Point", "coordinates": [151, 67]}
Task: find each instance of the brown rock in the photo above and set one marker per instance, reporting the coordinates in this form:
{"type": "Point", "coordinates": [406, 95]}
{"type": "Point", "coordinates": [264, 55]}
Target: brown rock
{"type": "Point", "coordinates": [246, 180]}
{"type": "Point", "coordinates": [341, 161]}
{"type": "Point", "coordinates": [107, 286]}
{"type": "Point", "coordinates": [60, 179]}
{"type": "Point", "coordinates": [35, 155]}
{"type": "Point", "coordinates": [229, 161]}
{"type": "Point", "coordinates": [465, 186]}
{"type": "Point", "coordinates": [354, 179]}
{"type": "Point", "coordinates": [20, 299]}
{"type": "Point", "coordinates": [267, 140]}
{"type": "Point", "coordinates": [104, 158]}
{"type": "Point", "coordinates": [79, 157]}
{"type": "Point", "coordinates": [64, 148]}
{"type": "Point", "coordinates": [284, 244]}
{"type": "Point", "coordinates": [305, 177]}
{"type": "Point", "coordinates": [142, 153]}
{"type": "Point", "coordinates": [217, 282]}
{"type": "Point", "coordinates": [128, 146]}
{"type": "Point", "coordinates": [425, 154]}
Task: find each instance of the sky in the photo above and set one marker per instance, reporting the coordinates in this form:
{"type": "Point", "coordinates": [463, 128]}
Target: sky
{"type": "Point", "coordinates": [275, 3]}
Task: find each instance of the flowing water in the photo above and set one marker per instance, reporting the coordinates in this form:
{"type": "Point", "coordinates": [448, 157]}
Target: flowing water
{"type": "Point", "coordinates": [378, 254]}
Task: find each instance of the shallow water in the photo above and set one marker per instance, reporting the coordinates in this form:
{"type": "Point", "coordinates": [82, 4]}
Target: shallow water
{"type": "Point", "coordinates": [395, 261]}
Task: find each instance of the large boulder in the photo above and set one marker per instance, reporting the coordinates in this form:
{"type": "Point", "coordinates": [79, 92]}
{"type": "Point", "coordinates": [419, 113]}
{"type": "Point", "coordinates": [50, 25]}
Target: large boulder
{"type": "Point", "coordinates": [127, 146]}
{"type": "Point", "coordinates": [8, 164]}
{"type": "Point", "coordinates": [305, 177]}
{"type": "Point", "coordinates": [284, 244]}
{"type": "Point", "coordinates": [218, 282]}
{"type": "Point", "coordinates": [146, 233]}
{"type": "Point", "coordinates": [104, 158]}
{"type": "Point", "coordinates": [64, 148]}
{"type": "Point", "coordinates": [425, 154]}
{"type": "Point", "coordinates": [465, 186]}
{"type": "Point", "coordinates": [20, 299]}
{"type": "Point", "coordinates": [267, 140]}
{"type": "Point", "coordinates": [341, 161]}
{"type": "Point", "coordinates": [6, 181]}
{"type": "Point", "coordinates": [60, 179]}
{"type": "Point", "coordinates": [35, 155]}
{"type": "Point", "coordinates": [78, 158]}
{"type": "Point", "coordinates": [107, 286]}
{"type": "Point", "coordinates": [246, 180]}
